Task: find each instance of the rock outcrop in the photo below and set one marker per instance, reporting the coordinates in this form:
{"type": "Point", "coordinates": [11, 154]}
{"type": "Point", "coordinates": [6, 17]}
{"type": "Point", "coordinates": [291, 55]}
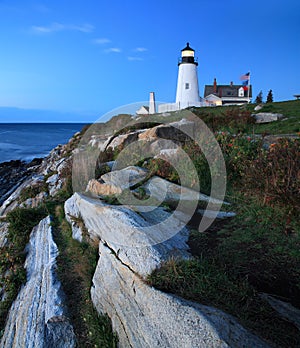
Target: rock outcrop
{"type": "Point", "coordinates": [116, 181]}
{"type": "Point", "coordinates": [3, 233]}
{"type": "Point", "coordinates": [136, 238]}
{"type": "Point", "coordinates": [37, 317]}
{"type": "Point", "coordinates": [148, 318]}
{"type": "Point", "coordinates": [141, 315]}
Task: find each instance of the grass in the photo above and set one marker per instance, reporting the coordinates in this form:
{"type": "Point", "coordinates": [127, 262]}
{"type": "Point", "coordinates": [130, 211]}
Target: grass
{"type": "Point", "coordinates": [32, 191]}
{"type": "Point", "coordinates": [76, 266]}
{"type": "Point", "coordinates": [289, 125]}
{"type": "Point", "coordinates": [258, 250]}
{"type": "Point", "coordinates": [221, 118]}
{"type": "Point", "coordinates": [207, 281]}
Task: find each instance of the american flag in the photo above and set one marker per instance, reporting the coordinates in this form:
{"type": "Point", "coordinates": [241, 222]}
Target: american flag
{"type": "Point", "coordinates": [245, 77]}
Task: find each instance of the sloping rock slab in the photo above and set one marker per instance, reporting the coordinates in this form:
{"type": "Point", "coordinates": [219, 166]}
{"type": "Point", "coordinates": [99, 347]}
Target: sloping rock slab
{"type": "Point", "coordinates": [145, 317]}
{"type": "Point", "coordinates": [138, 241]}
{"type": "Point", "coordinates": [30, 322]}
{"type": "Point", "coordinates": [3, 233]}
{"type": "Point", "coordinates": [175, 131]}
{"type": "Point", "coordinates": [285, 309]}
{"type": "Point", "coordinates": [167, 191]}
{"type": "Point", "coordinates": [116, 181]}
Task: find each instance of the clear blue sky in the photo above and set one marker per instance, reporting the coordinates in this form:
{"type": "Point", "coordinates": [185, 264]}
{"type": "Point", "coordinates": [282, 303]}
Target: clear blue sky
{"type": "Point", "coordinates": [84, 58]}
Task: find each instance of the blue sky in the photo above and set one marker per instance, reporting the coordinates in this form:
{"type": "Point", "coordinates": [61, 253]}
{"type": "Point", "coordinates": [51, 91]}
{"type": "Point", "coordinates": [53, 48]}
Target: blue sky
{"type": "Point", "coordinates": [84, 58]}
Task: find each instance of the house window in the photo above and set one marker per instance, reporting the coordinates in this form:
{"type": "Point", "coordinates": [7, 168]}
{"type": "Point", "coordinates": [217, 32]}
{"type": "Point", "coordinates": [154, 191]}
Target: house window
{"type": "Point", "coordinates": [187, 86]}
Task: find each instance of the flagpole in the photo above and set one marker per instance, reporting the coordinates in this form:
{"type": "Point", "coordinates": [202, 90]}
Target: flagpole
{"type": "Point", "coordinates": [249, 88]}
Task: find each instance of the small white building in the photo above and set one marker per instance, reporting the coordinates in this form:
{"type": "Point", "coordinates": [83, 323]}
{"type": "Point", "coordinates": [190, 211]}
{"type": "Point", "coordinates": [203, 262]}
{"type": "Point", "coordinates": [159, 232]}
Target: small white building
{"type": "Point", "coordinates": [143, 110]}
{"type": "Point", "coordinates": [148, 110]}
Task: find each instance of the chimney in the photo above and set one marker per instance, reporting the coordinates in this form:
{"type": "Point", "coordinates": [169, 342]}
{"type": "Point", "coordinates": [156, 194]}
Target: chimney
{"type": "Point", "coordinates": [152, 106]}
{"type": "Point", "coordinates": [215, 85]}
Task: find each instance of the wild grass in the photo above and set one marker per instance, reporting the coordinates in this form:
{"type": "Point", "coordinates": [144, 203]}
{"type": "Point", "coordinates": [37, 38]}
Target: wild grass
{"type": "Point", "coordinates": [238, 119]}
{"type": "Point", "coordinates": [258, 250]}
{"type": "Point", "coordinates": [76, 266]}
{"type": "Point", "coordinates": [208, 281]}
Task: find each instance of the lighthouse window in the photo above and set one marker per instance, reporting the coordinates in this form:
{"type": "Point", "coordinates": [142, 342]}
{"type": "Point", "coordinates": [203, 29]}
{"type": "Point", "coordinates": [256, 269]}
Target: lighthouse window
{"type": "Point", "coordinates": [187, 86]}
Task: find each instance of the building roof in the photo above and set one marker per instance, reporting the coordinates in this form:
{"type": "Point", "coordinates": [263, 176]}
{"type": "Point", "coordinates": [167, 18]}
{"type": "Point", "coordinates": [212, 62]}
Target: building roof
{"type": "Point", "coordinates": [143, 110]}
{"type": "Point", "coordinates": [187, 48]}
{"type": "Point", "coordinates": [225, 91]}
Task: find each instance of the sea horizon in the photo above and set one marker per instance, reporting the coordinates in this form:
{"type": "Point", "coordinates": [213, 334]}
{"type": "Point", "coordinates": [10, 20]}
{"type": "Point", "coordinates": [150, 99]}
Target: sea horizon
{"type": "Point", "coordinates": [28, 140]}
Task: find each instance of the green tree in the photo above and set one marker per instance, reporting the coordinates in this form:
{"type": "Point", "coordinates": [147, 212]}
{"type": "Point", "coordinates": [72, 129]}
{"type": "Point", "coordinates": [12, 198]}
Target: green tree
{"type": "Point", "coordinates": [270, 97]}
{"type": "Point", "coordinates": [259, 98]}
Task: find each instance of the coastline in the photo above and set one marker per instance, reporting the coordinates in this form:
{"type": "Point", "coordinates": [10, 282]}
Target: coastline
{"type": "Point", "coordinates": [13, 173]}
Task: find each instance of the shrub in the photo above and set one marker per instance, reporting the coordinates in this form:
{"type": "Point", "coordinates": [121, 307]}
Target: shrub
{"type": "Point", "coordinates": [275, 173]}
{"type": "Point", "coordinates": [234, 118]}
{"type": "Point", "coordinates": [32, 191]}
{"type": "Point", "coordinates": [237, 150]}
{"type": "Point", "coordinates": [21, 222]}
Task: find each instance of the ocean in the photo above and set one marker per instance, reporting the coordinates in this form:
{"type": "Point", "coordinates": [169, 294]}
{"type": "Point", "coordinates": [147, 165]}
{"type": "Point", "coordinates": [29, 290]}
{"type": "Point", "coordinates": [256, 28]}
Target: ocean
{"type": "Point", "coordinates": [25, 141]}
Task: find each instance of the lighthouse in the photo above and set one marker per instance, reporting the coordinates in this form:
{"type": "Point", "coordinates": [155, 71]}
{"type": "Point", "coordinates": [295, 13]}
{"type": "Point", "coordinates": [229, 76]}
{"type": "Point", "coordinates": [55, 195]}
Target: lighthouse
{"type": "Point", "coordinates": [187, 84]}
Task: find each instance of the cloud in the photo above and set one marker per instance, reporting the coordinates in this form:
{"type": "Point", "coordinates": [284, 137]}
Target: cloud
{"type": "Point", "coordinates": [134, 58]}
{"type": "Point", "coordinates": [56, 27]}
{"type": "Point", "coordinates": [140, 49]}
{"type": "Point", "coordinates": [113, 50]}
{"type": "Point", "coordinates": [101, 41]}
{"type": "Point", "coordinates": [85, 28]}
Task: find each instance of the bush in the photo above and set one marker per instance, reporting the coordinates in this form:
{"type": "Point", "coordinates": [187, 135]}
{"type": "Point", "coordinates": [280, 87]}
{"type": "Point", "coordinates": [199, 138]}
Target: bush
{"type": "Point", "coordinates": [32, 191]}
{"type": "Point", "coordinates": [237, 150]}
{"type": "Point", "coordinates": [21, 222]}
{"type": "Point", "coordinates": [275, 173]}
{"type": "Point", "coordinates": [229, 118]}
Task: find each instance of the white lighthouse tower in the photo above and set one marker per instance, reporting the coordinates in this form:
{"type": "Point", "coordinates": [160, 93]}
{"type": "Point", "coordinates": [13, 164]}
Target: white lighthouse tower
{"type": "Point", "coordinates": [187, 85]}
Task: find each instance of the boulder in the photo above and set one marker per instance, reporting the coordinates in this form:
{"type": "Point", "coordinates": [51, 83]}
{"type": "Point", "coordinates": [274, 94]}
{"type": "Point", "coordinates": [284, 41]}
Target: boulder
{"type": "Point", "coordinates": [137, 238]}
{"type": "Point", "coordinates": [176, 131]}
{"type": "Point", "coordinates": [35, 201]}
{"type": "Point", "coordinates": [166, 191]}
{"type": "Point", "coordinates": [97, 188]}
{"type": "Point", "coordinates": [284, 309]}
{"type": "Point", "coordinates": [99, 141]}
{"type": "Point", "coordinates": [117, 181]}
{"type": "Point", "coordinates": [3, 233]}
{"type": "Point", "coordinates": [11, 202]}
{"type": "Point", "coordinates": [123, 140]}
{"type": "Point", "coordinates": [258, 107]}
{"type": "Point", "coordinates": [211, 214]}
{"type": "Point", "coordinates": [267, 117]}
{"type": "Point", "coordinates": [55, 183]}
